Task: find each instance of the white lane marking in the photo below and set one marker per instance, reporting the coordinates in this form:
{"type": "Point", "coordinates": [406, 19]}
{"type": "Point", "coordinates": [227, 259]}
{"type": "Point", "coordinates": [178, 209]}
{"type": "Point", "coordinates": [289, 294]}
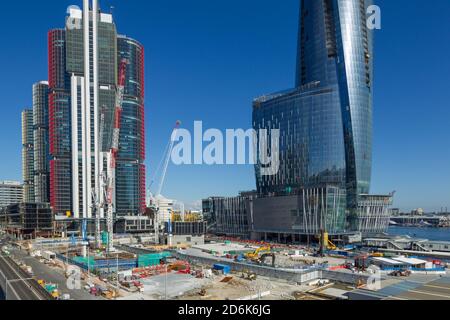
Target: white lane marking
{"type": "Point", "coordinates": [431, 294]}
{"type": "Point", "coordinates": [24, 280]}
{"type": "Point", "coordinates": [6, 281]}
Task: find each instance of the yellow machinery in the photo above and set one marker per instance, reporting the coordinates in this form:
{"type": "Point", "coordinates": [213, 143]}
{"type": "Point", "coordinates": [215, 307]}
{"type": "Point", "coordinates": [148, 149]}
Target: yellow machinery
{"type": "Point", "coordinates": [55, 294]}
{"type": "Point", "coordinates": [325, 242]}
{"type": "Point", "coordinates": [377, 255]}
{"type": "Point", "coordinates": [255, 255]}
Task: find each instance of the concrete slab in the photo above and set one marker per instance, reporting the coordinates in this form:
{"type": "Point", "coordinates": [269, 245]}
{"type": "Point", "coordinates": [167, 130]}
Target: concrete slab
{"type": "Point", "coordinates": [173, 285]}
{"type": "Point", "coordinates": [336, 293]}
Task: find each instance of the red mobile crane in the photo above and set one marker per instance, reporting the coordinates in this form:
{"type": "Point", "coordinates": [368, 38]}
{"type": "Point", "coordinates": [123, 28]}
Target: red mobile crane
{"type": "Point", "coordinates": [113, 153]}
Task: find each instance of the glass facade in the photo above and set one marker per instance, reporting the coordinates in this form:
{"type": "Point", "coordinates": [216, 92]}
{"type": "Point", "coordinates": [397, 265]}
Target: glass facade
{"type": "Point", "coordinates": [68, 183]}
{"type": "Point", "coordinates": [229, 216]}
{"type": "Point", "coordinates": [28, 155]}
{"type": "Point", "coordinates": [325, 122]}
{"type": "Point", "coordinates": [59, 101]}
{"type": "Point", "coordinates": [41, 142]}
{"type": "Point", "coordinates": [130, 163]}
{"type": "Point", "coordinates": [312, 152]}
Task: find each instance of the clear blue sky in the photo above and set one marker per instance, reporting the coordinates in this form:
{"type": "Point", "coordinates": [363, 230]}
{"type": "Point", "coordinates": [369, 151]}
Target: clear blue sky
{"type": "Point", "coordinates": [207, 60]}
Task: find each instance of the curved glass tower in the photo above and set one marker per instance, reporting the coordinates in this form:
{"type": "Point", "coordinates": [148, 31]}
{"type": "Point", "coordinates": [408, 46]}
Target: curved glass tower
{"type": "Point", "coordinates": [130, 184]}
{"type": "Point", "coordinates": [326, 120]}
{"type": "Point", "coordinates": [336, 49]}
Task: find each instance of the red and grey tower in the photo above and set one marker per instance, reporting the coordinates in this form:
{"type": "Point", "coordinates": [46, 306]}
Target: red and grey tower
{"type": "Point", "coordinates": [84, 59]}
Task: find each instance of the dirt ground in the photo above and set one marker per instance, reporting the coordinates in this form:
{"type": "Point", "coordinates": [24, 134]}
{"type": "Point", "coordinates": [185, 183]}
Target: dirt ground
{"type": "Point", "coordinates": [238, 288]}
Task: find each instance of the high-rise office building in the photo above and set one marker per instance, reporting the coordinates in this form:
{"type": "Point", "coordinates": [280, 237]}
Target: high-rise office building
{"type": "Point", "coordinates": [130, 184]}
{"type": "Point", "coordinates": [84, 59]}
{"type": "Point", "coordinates": [41, 143]}
{"type": "Point", "coordinates": [325, 127]}
{"type": "Point", "coordinates": [28, 156]}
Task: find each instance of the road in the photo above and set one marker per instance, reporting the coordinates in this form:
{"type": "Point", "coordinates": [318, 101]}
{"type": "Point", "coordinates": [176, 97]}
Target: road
{"type": "Point", "coordinates": [16, 283]}
{"type": "Point", "coordinates": [51, 275]}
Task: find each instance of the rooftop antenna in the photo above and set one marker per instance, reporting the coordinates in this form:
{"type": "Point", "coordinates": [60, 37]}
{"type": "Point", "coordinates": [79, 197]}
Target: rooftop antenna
{"type": "Point", "coordinates": [111, 9]}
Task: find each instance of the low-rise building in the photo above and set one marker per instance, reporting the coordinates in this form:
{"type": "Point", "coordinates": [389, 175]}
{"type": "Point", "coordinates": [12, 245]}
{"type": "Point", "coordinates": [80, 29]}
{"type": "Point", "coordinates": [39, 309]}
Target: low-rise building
{"type": "Point", "coordinates": [11, 192]}
{"type": "Point", "coordinates": [27, 218]}
{"type": "Point", "coordinates": [165, 208]}
{"type": "Point", "coordinates": [229, 216]}
{"type": "Point", "coordinates": [133, 225]}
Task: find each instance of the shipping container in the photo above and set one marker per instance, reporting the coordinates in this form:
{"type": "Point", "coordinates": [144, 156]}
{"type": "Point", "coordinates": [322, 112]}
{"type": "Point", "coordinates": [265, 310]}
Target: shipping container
{"type": "Point", "coordinates": [223, 268]}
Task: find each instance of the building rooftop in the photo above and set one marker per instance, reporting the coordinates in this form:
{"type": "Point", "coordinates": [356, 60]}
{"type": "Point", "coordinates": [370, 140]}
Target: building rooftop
{"type": "Point", "coordinates": [410, 261]}
{"type": "Point", "coordinates": [388, 261]}
{"type": "Point", "coordinates": [11, 183]}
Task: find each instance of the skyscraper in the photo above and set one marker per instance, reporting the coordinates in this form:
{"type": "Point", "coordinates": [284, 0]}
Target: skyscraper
{"type": "Point", "coordinates": [130, 184]}
{"type": "Point", "coordinates": [325, 124]}
{"type": "Point", "coordinates": [28, 155]}
{"type": "Point", "coordinates": [41, 143]}
{"type": "Point", "coordinates": [83, 81]}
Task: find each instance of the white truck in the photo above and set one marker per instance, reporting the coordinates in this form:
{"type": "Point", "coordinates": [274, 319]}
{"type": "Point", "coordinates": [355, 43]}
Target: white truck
{"type": "Point", "coordinates": [48, 255]}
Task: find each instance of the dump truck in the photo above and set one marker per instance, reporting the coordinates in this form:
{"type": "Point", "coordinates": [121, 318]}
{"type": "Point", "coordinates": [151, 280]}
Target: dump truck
{"type": "Point", "coordinates": [51, 288]}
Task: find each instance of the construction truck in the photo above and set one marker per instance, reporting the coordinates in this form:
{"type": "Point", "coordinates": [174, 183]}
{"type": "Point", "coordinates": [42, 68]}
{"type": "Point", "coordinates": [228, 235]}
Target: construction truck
{"type": "Point", "coordinates": [400, 273]}
{"type": "Point", "coordinates": [51, 288]}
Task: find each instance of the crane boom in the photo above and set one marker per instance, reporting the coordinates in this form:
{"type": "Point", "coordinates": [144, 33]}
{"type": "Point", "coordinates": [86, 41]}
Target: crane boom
{"type": "Point", "coordinates": [111, 156]}
{"type": "Point", "coordinates": [165, 165]}
{"type": "Point", "coordinates": [167, 158]}
{"type": "Point", "coordinates": [99, 199]}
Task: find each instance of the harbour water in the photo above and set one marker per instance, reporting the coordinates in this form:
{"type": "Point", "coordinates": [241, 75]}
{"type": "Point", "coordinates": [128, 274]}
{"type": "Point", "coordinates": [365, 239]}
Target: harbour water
{"type": "Point", "coordinates": [434, 234]}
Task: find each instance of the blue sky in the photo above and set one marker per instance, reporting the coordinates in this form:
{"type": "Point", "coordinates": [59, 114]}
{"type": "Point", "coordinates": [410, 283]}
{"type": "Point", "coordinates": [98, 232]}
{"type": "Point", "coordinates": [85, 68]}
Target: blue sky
{"type": "Point", "coordinates": [206, 60]}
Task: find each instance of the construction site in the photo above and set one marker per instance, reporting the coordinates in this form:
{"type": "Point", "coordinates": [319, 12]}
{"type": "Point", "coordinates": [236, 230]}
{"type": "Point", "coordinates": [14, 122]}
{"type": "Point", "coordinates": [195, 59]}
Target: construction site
{"type": "Point", "coordinates": [219, 269]}
{"type": "Point", "coordinates": [168, 254]}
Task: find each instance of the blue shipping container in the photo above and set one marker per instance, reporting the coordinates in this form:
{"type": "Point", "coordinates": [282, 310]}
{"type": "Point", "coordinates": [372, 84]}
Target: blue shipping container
{"type": "Point", "coordinates": [221, 267]}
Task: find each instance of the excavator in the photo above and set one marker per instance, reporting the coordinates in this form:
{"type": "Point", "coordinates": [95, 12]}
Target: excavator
{"type": "Point", "coordinates": [260, 256]}
{"type": "Point", "coordinates": [255, 255]}
{"type": "Point", "coordinates": [266, 256]}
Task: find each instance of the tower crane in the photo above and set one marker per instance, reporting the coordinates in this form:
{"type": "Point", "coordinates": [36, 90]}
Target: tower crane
{"type": "Point", "coordinates": [104, 198]}
{"type": "Point", "coordinates": [98, 196]}
{"type": "Point", "coordinates": [163, 167]}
